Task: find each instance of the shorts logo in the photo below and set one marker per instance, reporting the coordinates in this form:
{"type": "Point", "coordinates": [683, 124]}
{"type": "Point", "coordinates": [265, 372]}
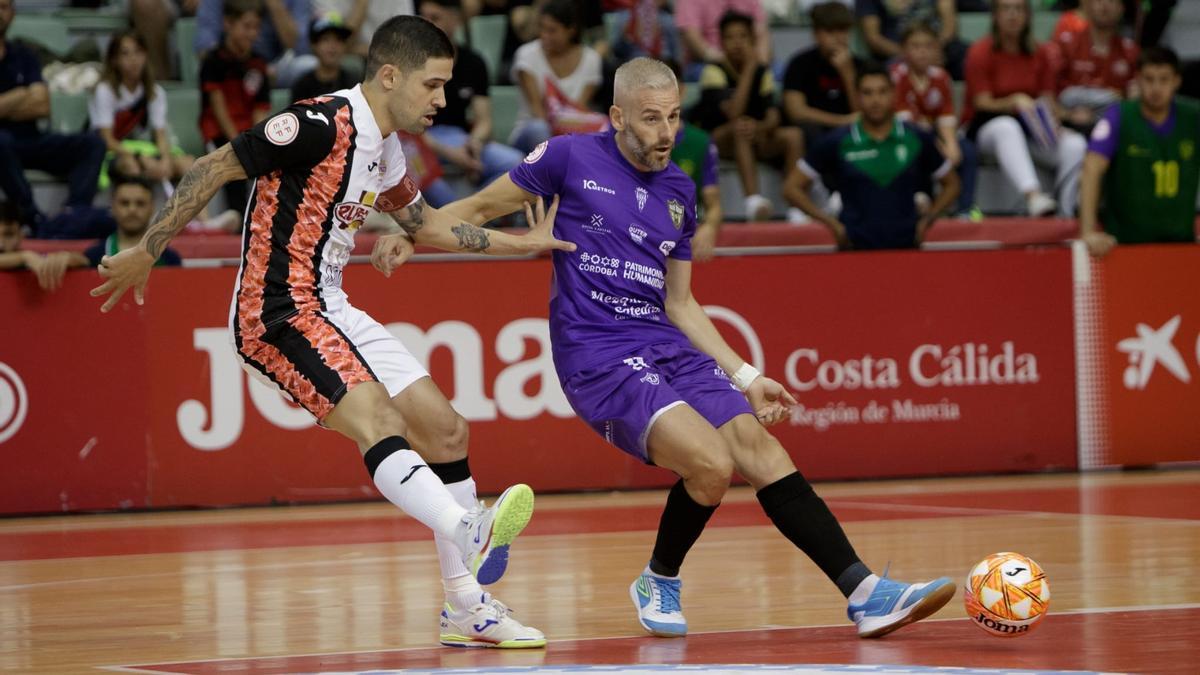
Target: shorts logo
{"type": "Point", "coordinates": [589, 184]}
{"type": "Point", "coordinates": [720, 372]}
{"type": "Point", "coordinates": [282, 129]}
{"type": "Point", "coordinates": [636, 233]}
{"type": "Point", "coordinates": [676, 210]}
{"type": "Point", "coordinates": [537, 153]}
{"type": "Point", "coordinates": [666, 247]}
{"type": "Point", "coordinates": [636, 362]}
{"type": "Point", "coordinates": [641, 197]}
{"type": "Point", "coordinates": [650, 378]}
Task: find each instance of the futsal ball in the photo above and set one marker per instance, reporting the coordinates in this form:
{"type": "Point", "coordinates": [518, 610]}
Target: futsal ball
{"type": "Point", "coordinates": [1007, 594]}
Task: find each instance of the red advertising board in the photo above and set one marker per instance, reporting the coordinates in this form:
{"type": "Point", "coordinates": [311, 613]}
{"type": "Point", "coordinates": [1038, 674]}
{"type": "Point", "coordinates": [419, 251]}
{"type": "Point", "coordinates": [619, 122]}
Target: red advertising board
{"type": "Point", "coordinates": [1138, 316]}
{"type": "Point", "coordinates": [904, 363]}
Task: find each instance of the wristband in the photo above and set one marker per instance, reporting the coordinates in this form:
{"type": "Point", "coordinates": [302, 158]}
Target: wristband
{"type": "Point", "coordinates": [745, 376]}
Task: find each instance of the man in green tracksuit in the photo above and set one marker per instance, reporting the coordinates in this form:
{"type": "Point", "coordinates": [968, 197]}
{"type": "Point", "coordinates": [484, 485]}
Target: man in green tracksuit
{"type": "Point", "coordinates": [1141, 172]}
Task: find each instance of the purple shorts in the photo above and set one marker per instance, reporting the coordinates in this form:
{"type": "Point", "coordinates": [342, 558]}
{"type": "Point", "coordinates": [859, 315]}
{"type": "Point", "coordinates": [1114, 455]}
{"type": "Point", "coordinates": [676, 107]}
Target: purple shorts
{"type": "Point", "coordinates": [622, 400]}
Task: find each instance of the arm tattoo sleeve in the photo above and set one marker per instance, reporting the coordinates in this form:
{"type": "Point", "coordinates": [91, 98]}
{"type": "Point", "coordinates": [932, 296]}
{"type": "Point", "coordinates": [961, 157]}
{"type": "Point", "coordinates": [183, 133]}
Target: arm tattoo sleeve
{"type": "Point", "coordinates": [412, 218]}
{"type": "Point", "coordinates": [197, 187]}
{"type": "Point", "coordinates": [471, 237]}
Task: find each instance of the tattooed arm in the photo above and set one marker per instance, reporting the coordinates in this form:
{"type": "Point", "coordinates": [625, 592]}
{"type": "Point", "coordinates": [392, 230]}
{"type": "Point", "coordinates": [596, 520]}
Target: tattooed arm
{"type": "Point", "coordinates": [428, 226]}
{"type": "Point", "coordinates": [131, 267]}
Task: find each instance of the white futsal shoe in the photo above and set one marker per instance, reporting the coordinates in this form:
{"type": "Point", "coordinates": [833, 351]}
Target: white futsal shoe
{"type": "Point", "coordinates": [485, 534]}
{"type": "Point", "coordinates": [488, 624]}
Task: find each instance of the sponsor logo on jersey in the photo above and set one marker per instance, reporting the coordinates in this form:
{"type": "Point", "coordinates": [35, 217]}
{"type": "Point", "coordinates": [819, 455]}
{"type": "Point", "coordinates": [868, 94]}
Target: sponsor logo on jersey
{"type": "Point", "coordinates": [589, 184]}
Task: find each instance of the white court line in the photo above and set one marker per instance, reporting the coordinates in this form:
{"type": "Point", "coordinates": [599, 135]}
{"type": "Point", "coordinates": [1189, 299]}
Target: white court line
{"type": "Point", "coordinates": [973, 510]}
{"type": "Point", "coordinates": [134, 668]}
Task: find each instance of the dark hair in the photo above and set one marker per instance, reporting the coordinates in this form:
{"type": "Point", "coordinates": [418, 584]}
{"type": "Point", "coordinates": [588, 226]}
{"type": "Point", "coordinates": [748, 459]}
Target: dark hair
{"type": "Point", "coordinates": [111, 74]}
{"type": "Point", "coordinates": [1025, 41]}
{"type": "Point", "coordinates": [407, 42]}
{"type": "Point", "coordinates": [733, 18]}
{"type": "Point", "coordinates": [121, 180]}
{"type": "Point", "coordinates": [234, 9]}
{"type": "Point", "coordinates": [869, 69]}
{"type": "Point", "coordinates": [448, 4]}
{"type": "Point", "coordinates": [915, 28]}
{"type": "Point", "coordinates": [1159, 56]}
{"type": "Point", "coordinates": [831, 16]}
{"type": "Point", "coordinates": [566, 12]}
{"type": "Point", "coordinates": [9, 213]}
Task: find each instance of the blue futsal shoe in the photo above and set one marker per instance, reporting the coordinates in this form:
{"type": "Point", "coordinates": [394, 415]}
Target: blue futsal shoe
{"type": "Point", "coordinates": [894, 604]}
{"type": "Point", "coordinates": [657, 601]}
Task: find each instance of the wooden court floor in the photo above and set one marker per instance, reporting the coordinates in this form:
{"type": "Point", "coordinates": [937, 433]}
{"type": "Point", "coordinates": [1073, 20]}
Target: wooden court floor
{"type": "Point", "coordinates": [354, 588]}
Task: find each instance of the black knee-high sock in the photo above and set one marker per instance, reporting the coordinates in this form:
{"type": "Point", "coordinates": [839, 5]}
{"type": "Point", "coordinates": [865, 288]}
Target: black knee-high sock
{"type": "Point", "coordinates": [682, 522]}
{"type": "Point", "coordinates": [452, 472]}
{"type": "Point", "coordinates": [802, 516]}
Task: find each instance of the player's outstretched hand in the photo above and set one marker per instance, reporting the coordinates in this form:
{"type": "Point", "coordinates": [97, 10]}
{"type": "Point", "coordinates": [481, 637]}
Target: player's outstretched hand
{"type": "Point", "coordinates": [769, 400]}
{"type": "Point", "coordinates": [128, 269]}
{"type": "Point", "coordinates": [391, 251]}
{"type": "Point", "coordinates": [541, 227]}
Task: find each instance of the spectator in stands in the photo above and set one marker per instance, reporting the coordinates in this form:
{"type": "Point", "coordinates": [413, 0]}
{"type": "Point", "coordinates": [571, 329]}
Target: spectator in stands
{"type": "Point", "coordinates": [699, 24]}
{"type": "Point", "coordinates": [152, 19]}
{"type": "Point", "coordinates": [1096, 64]}
{"type": "Point", "coordinates": [1007, 74]}
{"type": "Point", "coordinates": [1142, 169]}
{"type": "Point", "coordinates": [328, 36]}
{"type": "Point", "coordinates": [282, 41]}
{"type": "Point", "coordinates": [24, 99]}
{"type": "Point", "coordinates": [884, 21]}
{"type": "Point", "coordinates": [129, 111]}
{"type": "Point", "coordinates": [737, 106]}
{"type": "Point", "coordinates": [462, 131]}
{"type": "Point", "coordinates": [522, 27]}
{"type": "Point", "coordinates": [49, 268]}
{"type": "Point", "coordinates": [132, 206]}
{"type": "Point", "coordinates": [880, 163]}
{"type": "Point", "coordinates": [556, 73]}
{"type": "Point", "coordinates": [696, 154]}
{"type": "Point", "coordinates": [362, 17]}
{"type": "Point", "coordinates": [234, 86]}
{"type": "Point", "coordinates": [818, 85]}
{"type": "Point", "coordinates": [924, 97]}
{"type": "Point", "coordinates": [646, 28]}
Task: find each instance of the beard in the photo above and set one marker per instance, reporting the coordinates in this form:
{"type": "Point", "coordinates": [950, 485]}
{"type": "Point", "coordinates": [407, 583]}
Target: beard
{"type": "Point", "coordinates": [643, 153]}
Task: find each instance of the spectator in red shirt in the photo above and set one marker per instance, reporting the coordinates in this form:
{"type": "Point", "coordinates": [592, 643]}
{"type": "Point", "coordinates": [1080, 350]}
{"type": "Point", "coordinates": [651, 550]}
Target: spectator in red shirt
{"type": "Point", "coordinates": [924, 97]}
{"type": "Point", "coordinates": [1096, 64]}
{"type": "Point", "coordinates": [1006, 75]}
{"type": "Point", "coordinates": [234, 89]}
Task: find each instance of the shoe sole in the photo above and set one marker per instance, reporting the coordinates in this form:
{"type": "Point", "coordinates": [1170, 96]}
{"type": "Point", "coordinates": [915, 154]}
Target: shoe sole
{"type": "Point", "coordinates": [513, 511]}
{"type": "Point", "coordinates": [924, 607]}
{"type": "Point", "coordinates": [463, 642]}
{"type": "Point", "coordinates": [637, 606]}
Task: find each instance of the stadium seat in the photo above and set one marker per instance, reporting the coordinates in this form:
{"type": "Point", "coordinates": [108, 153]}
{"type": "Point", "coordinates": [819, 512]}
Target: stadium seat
{"type": "Point", "coordinates": [185, 46]}
{"type": "Point", "coordinates": [487, 38]}
{"type": "Point", "coordinates": [504, 110]}
{"type": "Point", "coordinates": [68, 112]}
{"type": "Point", "coordinates": [183, 118]}
{"type": "Point", "coordinates": [280, 99]}
{"type": "Point", "coordinates": [975, 25]}
{"type": "Point", "coordinates": [42, 29]}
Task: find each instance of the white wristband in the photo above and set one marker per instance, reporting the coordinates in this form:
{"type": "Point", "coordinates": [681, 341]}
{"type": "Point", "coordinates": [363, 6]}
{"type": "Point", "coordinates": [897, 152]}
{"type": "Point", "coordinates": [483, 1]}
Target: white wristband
{"type": "Point", "coordinates": [745, 376]}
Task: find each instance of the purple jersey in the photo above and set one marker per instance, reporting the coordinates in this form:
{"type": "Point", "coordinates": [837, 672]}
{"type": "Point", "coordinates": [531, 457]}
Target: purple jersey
{"type": "Point", "coordinates": [1106, 132]}
{"type": "Point", "coordinates": [608, 295]}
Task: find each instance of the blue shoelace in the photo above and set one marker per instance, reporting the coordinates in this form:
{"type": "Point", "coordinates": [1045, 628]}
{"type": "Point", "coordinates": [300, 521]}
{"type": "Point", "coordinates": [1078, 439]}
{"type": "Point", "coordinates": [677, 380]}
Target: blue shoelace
{"type": "Point", "coordinates": [668, 595]}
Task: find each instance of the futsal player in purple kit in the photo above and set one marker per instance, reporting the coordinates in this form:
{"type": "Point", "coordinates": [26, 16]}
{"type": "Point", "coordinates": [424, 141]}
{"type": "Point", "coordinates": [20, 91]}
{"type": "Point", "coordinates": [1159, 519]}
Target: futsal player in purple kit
{"type": "Point", "coordinates": [642, 364]}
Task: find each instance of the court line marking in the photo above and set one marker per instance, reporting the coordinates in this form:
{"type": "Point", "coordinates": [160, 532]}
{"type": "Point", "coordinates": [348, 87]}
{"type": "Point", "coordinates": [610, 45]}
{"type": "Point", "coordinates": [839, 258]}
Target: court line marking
{"type": "Point", "coordinates": [978, 511]}
{"type": "Point", "coordinates": [135, 668]}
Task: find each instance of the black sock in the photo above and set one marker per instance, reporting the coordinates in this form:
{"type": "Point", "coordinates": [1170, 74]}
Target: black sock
{"type": "Point", "coordinates": [803, 518]}
{"type": "Point", "coordinates": [452, 472]}
{"type": "Point", "coordinates": [682, 522]}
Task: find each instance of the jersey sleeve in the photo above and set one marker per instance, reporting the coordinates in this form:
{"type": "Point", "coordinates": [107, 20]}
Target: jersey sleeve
{"type": "Point", "coordinates": [102, 108]}
{"type": "Point", "coordinates": [683, 247]}
{"type": "Point", "coordinates": [299, 137]}
{"type": "Point", "coordinates": [1104, 137]}
{"type": "Point", "coordinates": [400, 189]}
{"type": "Point", "coordinates": [158, 109]}
{"type": "Point", "coordinates": [946, 92]}
{"type": "Point", "coordinates": [542, 171]}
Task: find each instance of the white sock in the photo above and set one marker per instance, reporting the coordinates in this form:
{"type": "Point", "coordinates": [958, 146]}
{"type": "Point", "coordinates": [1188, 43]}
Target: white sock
{"type": "Point", "coordinates": [462, 590]}
{"type": "Point", "coordinates": [656, 574]}
{"type": "Point", "coordinates": [863, 590]}
{"type": "Point", "coordinates": [406, 481]}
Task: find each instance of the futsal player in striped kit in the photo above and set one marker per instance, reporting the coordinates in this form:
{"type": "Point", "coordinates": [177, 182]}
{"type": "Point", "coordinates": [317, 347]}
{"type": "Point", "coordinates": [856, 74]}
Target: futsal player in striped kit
{"type": "Point", "coordinates": [320, 167]}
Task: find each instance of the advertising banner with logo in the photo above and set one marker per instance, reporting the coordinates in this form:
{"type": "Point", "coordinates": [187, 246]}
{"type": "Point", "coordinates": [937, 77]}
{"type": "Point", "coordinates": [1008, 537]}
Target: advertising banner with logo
{"type": "Point", "coordinates": [1138, 334]}
{"type": "Point", "coordinates": [905, 364]}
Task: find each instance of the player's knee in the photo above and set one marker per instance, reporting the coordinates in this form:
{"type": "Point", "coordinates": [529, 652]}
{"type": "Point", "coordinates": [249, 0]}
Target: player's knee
{"type": "Point", "coordinates": [384, 421]}
{"type": "Point", "coordinates": [710, 475]}
{"type": "Point", "coordinates": [455, 437]}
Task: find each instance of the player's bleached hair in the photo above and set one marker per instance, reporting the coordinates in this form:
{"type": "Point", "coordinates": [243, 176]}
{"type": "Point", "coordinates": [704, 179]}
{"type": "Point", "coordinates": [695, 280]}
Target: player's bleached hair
{"type": "Point", "coordinates": [642, 73]}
